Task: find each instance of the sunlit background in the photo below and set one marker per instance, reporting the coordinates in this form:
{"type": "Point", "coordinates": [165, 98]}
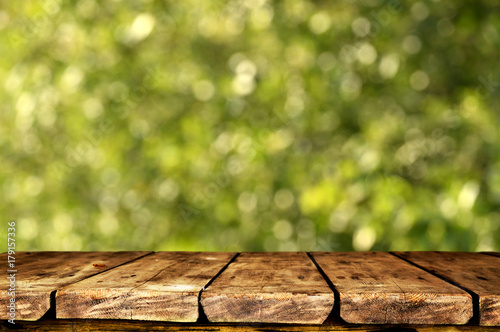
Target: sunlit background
{"type": "Point", "coordinates": [250, 125]}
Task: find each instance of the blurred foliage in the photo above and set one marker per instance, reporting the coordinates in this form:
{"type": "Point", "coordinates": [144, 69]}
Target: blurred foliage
{"type": "Point", "coordinates": [250, 125]}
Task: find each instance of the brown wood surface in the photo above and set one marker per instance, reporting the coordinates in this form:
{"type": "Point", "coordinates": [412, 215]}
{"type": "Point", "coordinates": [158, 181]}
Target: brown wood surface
{"type": "Point", "coordinates": [492, 253]}
{"type": "Point", "coordinates": [163, 286]}
{"type": "Point", "coordinates": [376, 287]}
{"type": "Point", "coordinates": [40, 273]}
{"type": "Point", "coordinates": [478, 273]}
{"type": "Point", "coordinates": [75, 325]}
{"type": "Point", "coordinates": [274, 287]}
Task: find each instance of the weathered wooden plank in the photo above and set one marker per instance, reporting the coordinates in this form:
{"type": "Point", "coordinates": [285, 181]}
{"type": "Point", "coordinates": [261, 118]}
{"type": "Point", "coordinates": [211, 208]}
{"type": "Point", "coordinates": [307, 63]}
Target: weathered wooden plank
{"type": "Point", "coordinates": [40, 273]}
{"type": "Point", "coordinates": [376, 287]}
{"type": "Point", "coordinates": [108, 325]}
{"type": "Point", "coordinates": [268, 287]}
{"type": "Point", "coordinates": [476, 272]}
{"type": "Point", "coordinates": [163, 286]}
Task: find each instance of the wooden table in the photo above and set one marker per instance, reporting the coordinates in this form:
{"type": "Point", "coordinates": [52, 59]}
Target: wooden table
{"type": "Point", "coordinates": [254, 291]}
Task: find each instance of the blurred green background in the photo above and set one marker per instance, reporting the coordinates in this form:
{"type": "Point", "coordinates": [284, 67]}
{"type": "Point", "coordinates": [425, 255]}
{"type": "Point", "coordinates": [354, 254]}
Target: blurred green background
{"type": "Point", "coordinates": [250, 125]}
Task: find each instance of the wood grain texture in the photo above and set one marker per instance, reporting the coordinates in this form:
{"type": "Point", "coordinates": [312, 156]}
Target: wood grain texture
{"type": "Point", "coordinates": [41, 273]}
{"type": "Point", "coordinates": [163, 286]}
{"type": "Point", "coordinates": [492, 253]}
{"type": "Point", "coordinates": [107, 325]}
{"type": "Point", "coordinates": [274, 287]}
{"type": "Point", "coordinates": [378, 288]}
{"type": "Point", "coordinates": [479, 273]}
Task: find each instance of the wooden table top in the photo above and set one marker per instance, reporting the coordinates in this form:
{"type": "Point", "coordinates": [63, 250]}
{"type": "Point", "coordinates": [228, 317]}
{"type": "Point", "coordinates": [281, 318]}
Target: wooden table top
{"type": "Point", "coordinates": [422, 289]}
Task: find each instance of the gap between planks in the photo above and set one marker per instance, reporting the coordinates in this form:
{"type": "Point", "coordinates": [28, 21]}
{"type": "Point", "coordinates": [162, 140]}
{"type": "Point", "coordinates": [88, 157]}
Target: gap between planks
{"type": "Point", "coordinates": [202, 317]}
{"type": "Point", "coordinates": [336, 307]}
{"type": "Point", "coordinates": [477, 273]}
{"type": "Point", "coordinates": [164, 286]}
{"type": "Point", "coordinates": [378, 288]}
{"type": "Point", "coordinates": [475, 298]}
{"type": "Point", "coordinates": [335, 313]}
{"type": "Point", "coordinates": [269, 287]}
{"type": "Point", "coordinates": [41, 273]}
